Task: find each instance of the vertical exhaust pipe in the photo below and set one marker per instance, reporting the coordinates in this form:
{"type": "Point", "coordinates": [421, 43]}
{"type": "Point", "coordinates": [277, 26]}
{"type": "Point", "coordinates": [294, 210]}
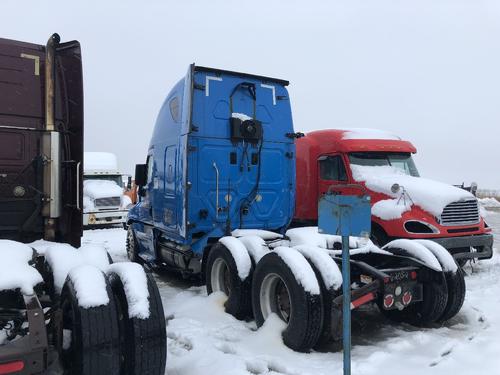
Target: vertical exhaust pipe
{"type": "Point", "coordinates": [50, 72]}
{"type": "Point", "coordinates": [51, 146]}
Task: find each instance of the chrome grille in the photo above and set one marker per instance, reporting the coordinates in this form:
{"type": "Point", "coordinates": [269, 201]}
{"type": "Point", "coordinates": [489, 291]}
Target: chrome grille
{"type": "Point", "coordinates": [108, 201]}
{"type": "Point", "coordinates": [461, 213]}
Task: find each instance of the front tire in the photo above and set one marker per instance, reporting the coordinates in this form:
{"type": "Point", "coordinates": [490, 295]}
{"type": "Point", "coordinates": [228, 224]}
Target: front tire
{"type": "Point", "coordinates": [276, 290]}
{"type": "Point", "coordinates": [222, 276]}
{"type": "Point", "coordinates": [131, 245]}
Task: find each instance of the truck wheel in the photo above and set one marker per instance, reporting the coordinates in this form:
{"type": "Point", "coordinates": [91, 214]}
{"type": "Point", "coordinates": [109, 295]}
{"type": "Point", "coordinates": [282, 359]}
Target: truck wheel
{"type": "Point", "coordinates": [90, 336]}
{"type": "Point", "coordinates": [222, 276]}
{"type": "Point", "coordinates": [331, 331]}
{"type": "Point", "coordinates": [275, 289]}
{"type": "Point", "coordinates": [143, 342]}
{"type": "Point", "coordinates": [455, 283]}
{"type": "Point", "coordinates": [131, 246]}
{"type": "Point", "coordinates": [435, 297]}
{"type": "Point", "coordinates": [378, 235]}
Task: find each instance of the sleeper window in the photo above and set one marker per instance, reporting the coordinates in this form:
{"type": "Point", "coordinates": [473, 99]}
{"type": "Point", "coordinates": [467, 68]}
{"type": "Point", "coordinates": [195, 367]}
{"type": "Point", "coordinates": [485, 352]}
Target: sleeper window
{"type": "Point", "coordinates": [332, 168]}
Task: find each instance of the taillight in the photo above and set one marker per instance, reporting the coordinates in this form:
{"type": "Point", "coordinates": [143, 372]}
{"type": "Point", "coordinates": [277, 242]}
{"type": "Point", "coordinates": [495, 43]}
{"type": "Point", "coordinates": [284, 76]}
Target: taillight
{"type": "Point", "coordinates": [11, 367]}
{"type": "Point", "coordinates": [407, 297]}
{"type": "Point", "coordinates": [413, 275]}
{"type": "Point", "coordinates": [388, 301]}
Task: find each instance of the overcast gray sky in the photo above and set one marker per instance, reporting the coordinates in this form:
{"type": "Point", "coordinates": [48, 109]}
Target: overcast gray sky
{"type": "Point", "coordinates": [428, 70]}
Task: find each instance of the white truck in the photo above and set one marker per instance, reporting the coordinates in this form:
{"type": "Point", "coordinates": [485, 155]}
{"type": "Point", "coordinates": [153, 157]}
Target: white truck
{"type": "Point", "coordinates": [103, 200]}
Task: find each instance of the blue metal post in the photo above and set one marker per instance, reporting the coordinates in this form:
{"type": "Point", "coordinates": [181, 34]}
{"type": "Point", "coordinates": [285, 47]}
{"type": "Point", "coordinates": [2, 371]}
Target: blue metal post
{"type": "Point", "coordinates": [346, 305]}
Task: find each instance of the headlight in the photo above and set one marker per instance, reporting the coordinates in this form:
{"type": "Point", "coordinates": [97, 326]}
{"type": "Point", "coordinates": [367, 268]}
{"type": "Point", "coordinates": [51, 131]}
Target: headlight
{"type": "Point", "coordinates": [420, 227]}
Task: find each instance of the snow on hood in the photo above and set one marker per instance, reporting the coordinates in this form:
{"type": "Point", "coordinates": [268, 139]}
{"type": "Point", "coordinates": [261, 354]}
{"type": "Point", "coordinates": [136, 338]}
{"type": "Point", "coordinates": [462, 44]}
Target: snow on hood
{"type": "Point", "coordinates": [364, 133]}
{"type": "Point", "coordinates": [95, 189]}
{"type": "Point", "coordinates": [431, 196]}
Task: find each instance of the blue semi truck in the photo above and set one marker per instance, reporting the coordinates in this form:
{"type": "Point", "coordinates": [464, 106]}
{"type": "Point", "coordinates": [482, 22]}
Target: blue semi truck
{"type": "Point", "coordinates": [217, 195]}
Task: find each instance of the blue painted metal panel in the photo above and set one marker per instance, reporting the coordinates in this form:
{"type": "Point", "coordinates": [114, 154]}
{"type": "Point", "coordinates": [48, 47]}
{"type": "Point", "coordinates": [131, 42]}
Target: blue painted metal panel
{"type": "Point", "coordinates": [344, 215]}
{"type": "Point", "coordinates": [187, 152]}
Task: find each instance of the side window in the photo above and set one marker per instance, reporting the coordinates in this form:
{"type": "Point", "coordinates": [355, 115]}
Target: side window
{"type": "Point", "coordinates": [332, 168]}
{"type": "Point", "coordinates": [174, 108]}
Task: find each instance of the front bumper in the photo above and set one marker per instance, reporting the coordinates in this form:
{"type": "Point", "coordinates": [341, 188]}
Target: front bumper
{"type": "Point", "coordinates": [462, 247]}
{"type": "Point", "coordinates": [105, 217]}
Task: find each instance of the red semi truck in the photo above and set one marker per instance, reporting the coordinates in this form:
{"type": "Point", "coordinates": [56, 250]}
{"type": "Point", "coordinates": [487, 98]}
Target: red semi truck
{"type": "Point", "coordinates": [404, 205]}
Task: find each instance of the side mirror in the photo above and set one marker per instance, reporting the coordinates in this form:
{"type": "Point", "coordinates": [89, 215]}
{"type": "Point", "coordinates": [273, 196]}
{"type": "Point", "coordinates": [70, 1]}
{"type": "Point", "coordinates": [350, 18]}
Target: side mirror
{"type": "Point", "coordinates": [395, 188]}
{"type": "Point", "coordinates": [141, 174]}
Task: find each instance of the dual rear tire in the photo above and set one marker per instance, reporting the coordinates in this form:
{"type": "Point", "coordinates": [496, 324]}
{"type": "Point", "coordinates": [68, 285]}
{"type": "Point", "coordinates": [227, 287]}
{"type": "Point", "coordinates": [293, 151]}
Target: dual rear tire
{"type": "Point", "coordinates": [105, 340]}
{"type": "Point", "coordinates": [271, 288]}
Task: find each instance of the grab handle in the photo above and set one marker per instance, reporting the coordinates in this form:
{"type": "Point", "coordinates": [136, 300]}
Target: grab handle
{"type": "Point", "coordinates": [78, 185]}
{"type": "Point", "coordinates": [216, 189]}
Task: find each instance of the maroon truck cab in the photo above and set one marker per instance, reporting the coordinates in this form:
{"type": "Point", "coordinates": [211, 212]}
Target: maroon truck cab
{"type": "Point", "coordinates": [329, 157]}
{"type": "Point", "coordinates": [41, 141]}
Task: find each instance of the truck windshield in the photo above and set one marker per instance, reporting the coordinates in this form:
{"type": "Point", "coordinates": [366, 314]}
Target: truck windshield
{"type": "Point", "coordinates": [401, 161]}
{"type": "Point", "coordinates": [115, 178]}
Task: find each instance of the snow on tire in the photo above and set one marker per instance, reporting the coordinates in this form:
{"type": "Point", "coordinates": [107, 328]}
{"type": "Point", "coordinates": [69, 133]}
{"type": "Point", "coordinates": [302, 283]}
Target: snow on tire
{"type": "Point", "coordinates": [222, 276]}
{"type": "Point", "coordinates": [276, 289]}
{"type": "Point", "coordinates": [90, 335]}
{"type": "Point", "coordinates": [455, 283]}
{"type": "Point", "coordinates": [329, 279]}
{"type": "Point", "coordinates": [143, 342]}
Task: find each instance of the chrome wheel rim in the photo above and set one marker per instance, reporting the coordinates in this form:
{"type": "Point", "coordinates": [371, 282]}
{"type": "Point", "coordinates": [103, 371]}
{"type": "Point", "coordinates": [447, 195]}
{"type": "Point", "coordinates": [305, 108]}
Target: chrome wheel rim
{"type": "Point", "coordinates": [275, 298]}
{"type": "Point", "coordinates": [220, 277]}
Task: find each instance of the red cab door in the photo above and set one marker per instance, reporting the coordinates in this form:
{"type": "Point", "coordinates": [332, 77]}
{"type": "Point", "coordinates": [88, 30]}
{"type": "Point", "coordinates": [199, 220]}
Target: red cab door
{"type": "Point", "coordinates": [331, 171]}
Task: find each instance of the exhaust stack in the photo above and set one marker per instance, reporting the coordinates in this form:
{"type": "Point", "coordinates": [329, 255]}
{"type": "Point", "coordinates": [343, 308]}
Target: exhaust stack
{"type": "Point", "coordinates": [51, 146]}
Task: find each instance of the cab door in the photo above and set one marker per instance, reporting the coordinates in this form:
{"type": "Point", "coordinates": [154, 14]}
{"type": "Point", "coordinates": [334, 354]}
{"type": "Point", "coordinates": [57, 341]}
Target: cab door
{"type": "Point", "coordinates": [331, 171]}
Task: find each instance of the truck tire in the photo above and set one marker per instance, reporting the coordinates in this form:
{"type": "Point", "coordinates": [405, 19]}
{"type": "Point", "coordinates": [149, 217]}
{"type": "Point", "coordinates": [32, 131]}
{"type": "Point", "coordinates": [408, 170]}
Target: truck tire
{"type": "Point", "coordinates": [275, 289]}
{"type": "Point", "coordinates": [332, 320]}
{"type": "Point", "coordinates": [378, 235]}
{"type": "Point", "coordinates": [222, 276]}
{"type": "Point", "coordinates": [428, 311]}
{"type": "Point", "coordinates": [455, 283]}
{"type": "Point", "coordinates": [131, 246]}
{"type": "Point", "coordinates": [143, 342]}
{"type": "Point", "coordinates": [93, 348]}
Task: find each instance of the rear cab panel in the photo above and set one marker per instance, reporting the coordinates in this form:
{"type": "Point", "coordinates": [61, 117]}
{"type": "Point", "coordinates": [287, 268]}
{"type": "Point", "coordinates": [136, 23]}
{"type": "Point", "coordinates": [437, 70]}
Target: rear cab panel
{"type": "Point", "coordinates": [201, 181]}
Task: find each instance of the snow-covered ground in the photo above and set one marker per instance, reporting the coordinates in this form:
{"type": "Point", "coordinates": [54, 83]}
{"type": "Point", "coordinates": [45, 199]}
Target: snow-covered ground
{"type": "Point", "coordinates": [203, 339]}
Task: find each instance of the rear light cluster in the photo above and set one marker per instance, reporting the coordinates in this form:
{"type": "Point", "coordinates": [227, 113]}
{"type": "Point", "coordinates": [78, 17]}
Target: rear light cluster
{"type": "Point", "coordinates": [388, 301]}
{"type": "Point", "coordinates": [407, 298]}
